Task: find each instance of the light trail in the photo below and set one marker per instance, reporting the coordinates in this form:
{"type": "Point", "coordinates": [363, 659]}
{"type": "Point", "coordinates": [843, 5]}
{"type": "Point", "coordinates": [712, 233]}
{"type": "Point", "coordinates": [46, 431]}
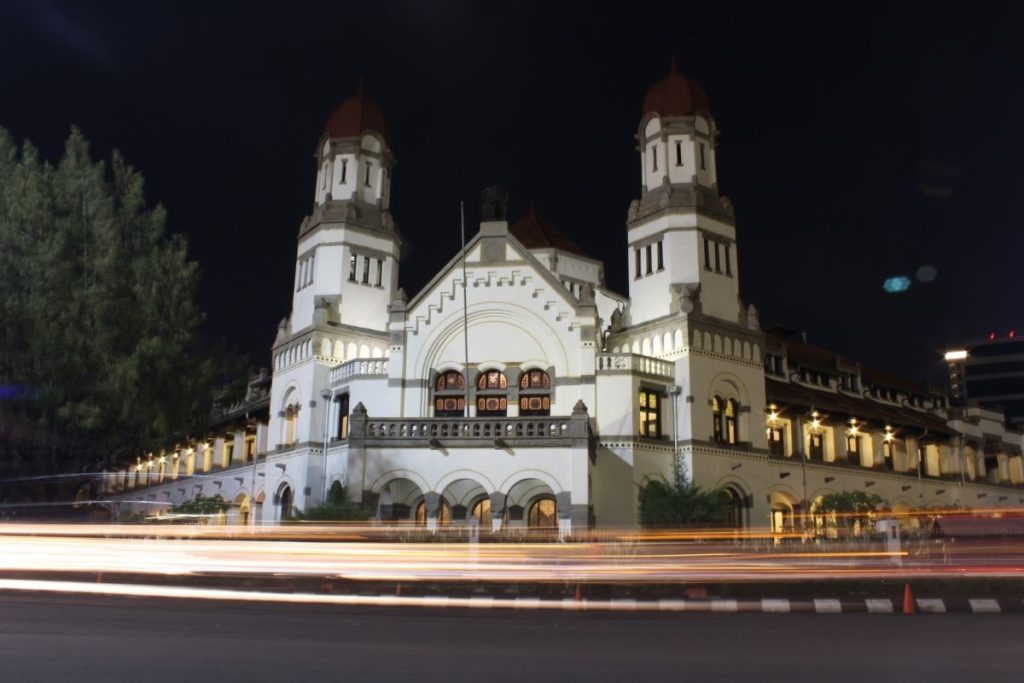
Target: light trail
{"type": "Point", "coordinates": [334, 552]}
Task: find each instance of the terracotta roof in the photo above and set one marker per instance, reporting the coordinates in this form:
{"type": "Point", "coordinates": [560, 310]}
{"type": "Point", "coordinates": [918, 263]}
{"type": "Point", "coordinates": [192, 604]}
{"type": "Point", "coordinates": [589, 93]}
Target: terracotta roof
{"type": "Point", "coordinates": [676, 95]}
{"type": "Point", "coordinates": [837, 405]}
{"type": "Point", "coordinates": [534, 233]}
{"type": "Point", "coordinates": [355, 116]}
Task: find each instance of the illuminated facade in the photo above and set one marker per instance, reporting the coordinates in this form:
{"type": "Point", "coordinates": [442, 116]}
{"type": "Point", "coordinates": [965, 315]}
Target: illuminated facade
{"type": "Point", "coordinates": [517, 390]}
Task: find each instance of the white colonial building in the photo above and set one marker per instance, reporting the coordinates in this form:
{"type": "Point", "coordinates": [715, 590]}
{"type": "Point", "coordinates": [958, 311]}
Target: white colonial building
{"type": "Point", "coordinates": [517, 390]}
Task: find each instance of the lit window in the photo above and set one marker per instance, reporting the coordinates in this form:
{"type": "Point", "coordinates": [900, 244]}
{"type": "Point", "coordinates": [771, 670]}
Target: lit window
{"type": "Point", "coordinates": [888, 448]}
{"type": "Point", "coordinates": [492, 400]}
{"type": "Point", "coordinates": [717, 427]}
{"type": "Point", "coordinates": [853, 448]}
{"type": "Point", "coordinates": [534, 396]}
{"type": "Point", "coordinates": [817, 446]}
{"type": "Point", "coordinates": [650, 414]}
{"type": "Point", "coordinates": [449, 394]}
{"type": "Point", "coordinates": [482, 512]}
{"type": "Point", "coordinates": [542, 514]}
{"type": "Point", "coordinates": [343, 412]}
{"type": "Point", "coordinates": [732, 410]}
{"type": "Point", "coordinates": [776, 445]}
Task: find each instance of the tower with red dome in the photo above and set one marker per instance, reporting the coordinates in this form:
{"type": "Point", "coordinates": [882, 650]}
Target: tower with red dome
{"type": "Point", "coordinates": [681, 231]}
{"type": "Point", "coordinates": [346, 277]}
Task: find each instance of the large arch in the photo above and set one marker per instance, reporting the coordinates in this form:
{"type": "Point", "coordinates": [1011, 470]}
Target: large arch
{"type": "Point", "coordinates": [523, 503]}
{"type": "Point", "coordinates": [462, 495]}
{"type": "Point", "coordinates": [399, 498]}
{"type": "Point", "coordinates": [477, 477]}
{"type": "Point", "coordinates": [736, 493]}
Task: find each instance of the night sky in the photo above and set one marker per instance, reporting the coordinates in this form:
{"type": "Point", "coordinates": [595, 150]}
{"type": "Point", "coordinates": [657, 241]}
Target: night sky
{"type": "Point", "coordinates": [857, 143]}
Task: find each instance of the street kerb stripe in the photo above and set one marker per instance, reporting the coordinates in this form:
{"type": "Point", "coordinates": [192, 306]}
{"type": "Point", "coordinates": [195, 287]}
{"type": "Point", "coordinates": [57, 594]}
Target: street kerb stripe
{"type": "Point", "coordinates": [931, 605]}
{"type": "Point", "coordinates": [775, 605]}
{"type": "Point", "coordinates": [879, 605]}
{"type": "Point", "coordinates": [985, 606]}
{"type": "Point", "coordinates": [827, 606]}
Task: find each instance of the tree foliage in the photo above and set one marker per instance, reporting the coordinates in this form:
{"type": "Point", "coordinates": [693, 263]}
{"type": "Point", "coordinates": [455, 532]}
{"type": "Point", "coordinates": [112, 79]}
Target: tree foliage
{"type": "Point", "coordinates": [98, 320]}
{"type": "Point", "coordinates": [338, 508]}
{"type": "Point", "coordinates": [847, 508]}
{"type": "Point", "coordinates": [679, 503]}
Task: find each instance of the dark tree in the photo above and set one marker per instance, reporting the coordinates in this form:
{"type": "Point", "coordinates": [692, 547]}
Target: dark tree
{"type": "Point", "coordinates": [98, 321]}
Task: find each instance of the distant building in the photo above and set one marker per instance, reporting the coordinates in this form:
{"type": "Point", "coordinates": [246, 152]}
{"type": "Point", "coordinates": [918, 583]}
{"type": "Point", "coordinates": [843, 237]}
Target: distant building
{"type": "Point", "coordinates": [990, 373]}
{"type": "Point", "coordinates": [517, 390]}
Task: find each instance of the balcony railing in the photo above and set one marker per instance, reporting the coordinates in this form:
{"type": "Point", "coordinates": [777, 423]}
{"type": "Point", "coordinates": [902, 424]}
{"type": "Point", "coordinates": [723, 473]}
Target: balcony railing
{"type": "Point", "coordinates": [633, 362]}
{"type": "Point", "coordinates": [360, 367]}
{"type": "Point", "coordinates": [435, 432]}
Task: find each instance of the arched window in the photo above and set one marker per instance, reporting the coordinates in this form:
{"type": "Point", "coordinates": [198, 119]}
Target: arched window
{"type": "Point", "coordinates": [718, 430]}
{"type": "Point", "coordinates": [733, 504]}
{"type": "Point", "coordinates": [535, 393]}
{"type": "Point", "coordinates": [291, 423]}
{"type": "Point", "coordinates": [542, 514]}
{"type": "Point", "coordinates": [481, 512]}
{"type": "Point", "coordinates": [450, 394]}
{"type": "Point", "coordinates": [732, 411]}
{"type": "Point", "coordinates": [444, 514]}
{"type": "Point", "coordinates": [492, 398]}
{"type": "Point", "coordinates": [286, 503]}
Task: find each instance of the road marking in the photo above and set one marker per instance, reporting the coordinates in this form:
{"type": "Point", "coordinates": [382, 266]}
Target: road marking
{"type": "Point", "coordinates": [931, 605]}
{"type": "Point", "coordinates": [482, 602]}
{"type": "Point", "coordinates": [624, 604]}
{"type": "Point", "coordinates": [985, 606]}
{"type": "Point", "coordinates": [827, 606]}
{"type": "Point", "coordinates": [775, 605]}
{"type": "Point", "coordinates": [527, 603]}
{"type": "Point", "coordinates": [668, 605]}
{"type": "Point", "coordinates": [724, 606]}
{"type": "Point", "coordinates": [879, 605]}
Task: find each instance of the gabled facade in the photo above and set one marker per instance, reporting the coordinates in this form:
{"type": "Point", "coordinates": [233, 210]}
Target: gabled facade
{"type": "Point", "coordinates": [517, 390]}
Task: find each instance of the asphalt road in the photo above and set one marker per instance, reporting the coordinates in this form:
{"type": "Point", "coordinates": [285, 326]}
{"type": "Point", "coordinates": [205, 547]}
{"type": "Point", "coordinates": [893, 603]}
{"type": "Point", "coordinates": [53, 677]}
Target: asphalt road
{"type": "Point", "coordinates": [58, 638]}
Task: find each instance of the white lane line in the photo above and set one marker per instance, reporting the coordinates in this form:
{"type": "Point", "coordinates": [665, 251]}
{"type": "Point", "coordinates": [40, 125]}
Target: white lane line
{"type": "Point", "coordinates": [527, 603]}
{"type": "Point", "coordinates": [775, 605]}
{"type": "Point", "coordinates": [931, 605]}
{"type": "Point", "coordinates": [669, 605]}
{"type": "Point", "coordinates": [879, 605]}
{"type": "Point", "coordinates": [481, 601]}
{"type": "Point", "coordinates": [624, 604]}
{"type": "Point", "coordinates": [985, 606]}
{"type": "Point", "coordinates": [724, 606]}
{"type": "Point", "coordinates": [827, 606]}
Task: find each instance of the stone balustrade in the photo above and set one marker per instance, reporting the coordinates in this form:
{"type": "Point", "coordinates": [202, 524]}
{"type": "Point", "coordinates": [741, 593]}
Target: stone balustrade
{"type": "Point", "coordinates": [360, 367]}
{"type": "Point", "coordinates": [635, 363]}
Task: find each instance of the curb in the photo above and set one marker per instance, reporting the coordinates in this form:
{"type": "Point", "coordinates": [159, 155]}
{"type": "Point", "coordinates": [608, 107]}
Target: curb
{"type": "Point", "coordinates": [709, 606]}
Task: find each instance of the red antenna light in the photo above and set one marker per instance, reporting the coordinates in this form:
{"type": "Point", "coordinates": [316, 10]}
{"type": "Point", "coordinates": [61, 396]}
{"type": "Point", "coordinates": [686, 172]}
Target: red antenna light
{"type": "Point", "coordinates": [1012, 334]}
{"type": "Point", "coordinates": [991, 336]}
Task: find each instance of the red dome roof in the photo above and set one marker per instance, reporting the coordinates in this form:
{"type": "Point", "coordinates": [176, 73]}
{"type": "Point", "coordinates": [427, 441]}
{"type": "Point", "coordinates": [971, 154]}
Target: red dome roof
{"type": "Point", "coordinates": [676, 95]}
{"type": "Point", "coordinates": [355, 116]}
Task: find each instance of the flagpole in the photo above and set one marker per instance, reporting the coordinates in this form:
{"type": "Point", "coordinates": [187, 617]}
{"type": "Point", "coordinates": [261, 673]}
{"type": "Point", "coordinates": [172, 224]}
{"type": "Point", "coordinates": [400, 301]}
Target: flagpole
{"type": "Point", "coordinates": [465, 305]}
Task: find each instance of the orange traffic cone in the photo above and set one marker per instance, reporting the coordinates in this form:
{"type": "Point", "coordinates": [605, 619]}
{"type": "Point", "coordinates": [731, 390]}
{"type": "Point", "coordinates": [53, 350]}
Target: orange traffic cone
{"type": "Point", "coordinates": [579, 593]}
{"type": "Point", "coordinates": [909, 607]}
